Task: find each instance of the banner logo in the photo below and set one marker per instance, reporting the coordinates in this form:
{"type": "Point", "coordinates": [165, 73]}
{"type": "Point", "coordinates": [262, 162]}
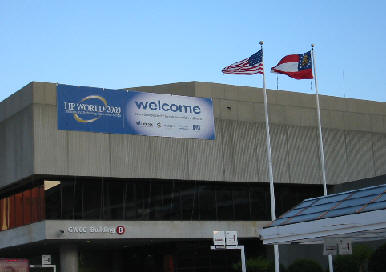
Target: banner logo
{"type": "Point", "coordinates": [91, 108]}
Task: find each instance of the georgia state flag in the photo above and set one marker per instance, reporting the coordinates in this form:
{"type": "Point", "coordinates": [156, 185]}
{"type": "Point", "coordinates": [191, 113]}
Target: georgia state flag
{"type": "Point", "coordinates": [297, 66]}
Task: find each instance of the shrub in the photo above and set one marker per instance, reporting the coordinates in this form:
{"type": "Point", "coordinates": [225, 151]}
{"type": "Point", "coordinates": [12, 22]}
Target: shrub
{"type": "Point", "coordinates": [355, 262]}
{"type": "Point", "coordinates": [377, 261]}
{"type": "Point", "coordinates": [305, 265]}
{"type": "Point", "coordinates": [345, 263]}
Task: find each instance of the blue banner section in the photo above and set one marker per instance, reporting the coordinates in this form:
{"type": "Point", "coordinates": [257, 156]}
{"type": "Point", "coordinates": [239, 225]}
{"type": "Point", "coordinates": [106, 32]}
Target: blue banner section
{"type": "Point", "coordinates": [132, 112]}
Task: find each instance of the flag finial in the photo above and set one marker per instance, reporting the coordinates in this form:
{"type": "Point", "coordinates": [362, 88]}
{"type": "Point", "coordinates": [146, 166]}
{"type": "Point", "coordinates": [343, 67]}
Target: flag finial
{"type": "Point", "coordinates": [312, 45]}
{"type": "Point", "coordinates": [261, 42]}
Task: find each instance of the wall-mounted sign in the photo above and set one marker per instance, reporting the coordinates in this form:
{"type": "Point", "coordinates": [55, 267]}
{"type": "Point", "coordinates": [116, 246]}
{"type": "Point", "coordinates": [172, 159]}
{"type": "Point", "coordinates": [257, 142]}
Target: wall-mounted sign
{"type": "Point", "coordinates": [95, 229]}
{"type": "Point", "coordinates": [120, 230]}
{"type": "Point", "coordinates": [231, 238]}
{"type": "Point", "coordinates": [330, 247]}
{"type": "Point", "coordinates": [345, 246]}
{"type": "Point", "coordinates": [132, 112]}
{"type": "Point", "coordinates": [219, 238]}
{"type": "Point", "coordinates": [46, 259]}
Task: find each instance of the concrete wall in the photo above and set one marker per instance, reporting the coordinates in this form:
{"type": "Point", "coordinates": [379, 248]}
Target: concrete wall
{"type": "Point", "coordinates": [16, 136]}
{"type": "Point", "coordinates": [354, 137]}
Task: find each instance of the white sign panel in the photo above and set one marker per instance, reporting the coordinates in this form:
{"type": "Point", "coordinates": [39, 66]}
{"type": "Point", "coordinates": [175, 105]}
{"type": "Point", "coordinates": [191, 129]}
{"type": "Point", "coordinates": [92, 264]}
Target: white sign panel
{"type": "Point", "coordinates": [330, 247]}
{"type": "Point", "coordinates": [46, 259]}
{"type": "Point", "coordinates": [219, 238]}
{"type": "Point", "coordinates": [231, 238]}
{"type": "Point", "coordinates": [345, 246]}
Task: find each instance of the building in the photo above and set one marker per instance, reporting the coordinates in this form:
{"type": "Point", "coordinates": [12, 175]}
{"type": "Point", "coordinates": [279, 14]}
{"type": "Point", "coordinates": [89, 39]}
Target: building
{"type": "Point", "coordinates": [120, 202]}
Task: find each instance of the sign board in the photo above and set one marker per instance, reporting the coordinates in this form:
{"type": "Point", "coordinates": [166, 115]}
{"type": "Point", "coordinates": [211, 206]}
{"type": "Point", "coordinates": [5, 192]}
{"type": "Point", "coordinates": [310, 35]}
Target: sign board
{"type": "Point", "coordinates": [330, 247]}
{"type": "Point", "coordinates": [14, 265]}
{"type": "Point", "coordinates": [132, 112]}
{"type": "Point", "coordinates": [46, 259]}
{"type": "Point", "coordinates": [231, 238]}
{"type": "Point", "coordinates": [219, 238]}
{"type": "Point", "coordinates": [345, 246]}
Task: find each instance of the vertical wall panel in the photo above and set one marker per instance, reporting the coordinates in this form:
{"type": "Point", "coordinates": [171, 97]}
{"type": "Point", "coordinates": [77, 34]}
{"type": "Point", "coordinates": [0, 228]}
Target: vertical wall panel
{"type": "Point", "coordinates": [89, 154]}
{"type": "Point", "coordinates": [42, 204]}
{"type": "Point", "coordinates": [335, 155]}
{"type": "Point", "coordinates": [3, 213]}
{"type": "Point", "coordinates": [27, 207]}
{"type": "Point", "coordinates": [3, 158]}
{"type": "Point", "coordinates": [169, 157]}
{"type": "Point", "coordinates": [360, 160]}
{"type": "Point", "coordinates": [279, 146]}
{"type": "Point", "coordinates": [240, 151]}
{"type": "Point", "coordinates": [131, 156]}
{"type": "Point", "coordinates": [379, 149]}
{"type": "Point", "coordinates": [11, 212]}
{"type": "Point", "coordinates": [51, 153]}
{"type": "Point", "coordinates": [18, 145]}
{"type": "Point", "coordinates": [304, 155]}
{"type": "Point", "coordinates": [18, 209]}
{"type": "Point", "coordinates": [35, 204]}
{"type": "Point", "coordinates": [206, 157]}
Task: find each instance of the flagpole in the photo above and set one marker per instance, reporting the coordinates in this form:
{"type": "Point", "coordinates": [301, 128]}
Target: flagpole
{"type": "Point", "coordinates": [269, 157]}
{"type": "Point", "coordinates": [321, 150]}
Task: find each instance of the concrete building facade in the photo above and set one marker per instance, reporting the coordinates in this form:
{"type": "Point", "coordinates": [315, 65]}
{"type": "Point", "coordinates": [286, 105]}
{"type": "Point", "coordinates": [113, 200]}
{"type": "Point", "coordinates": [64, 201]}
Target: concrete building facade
{"type": "Point", "coordinates": [34, 153]}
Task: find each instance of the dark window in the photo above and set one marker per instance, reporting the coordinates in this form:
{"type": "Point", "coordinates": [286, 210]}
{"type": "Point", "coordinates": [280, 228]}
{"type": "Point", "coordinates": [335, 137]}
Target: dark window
{"type": "Point", "coordinates": [260, 203]}
{"type": "Point", "coordinates": [241, 202]}
{"type": "Point", "coordinates": [156, 198]}
{"type": "Point", "coordinates": [92, 199]}
{"type": "Point", "coordinates": [78, 199]}
{"type": "Point", "coordinates": [168, 202]}
{"type": "Point", "coordinates": [188, 200]}
{"type": "Point", "coordinates": [207, 202]}
{"type": "Point", "coordinates": [113, 200]}
{"type": "Point", "coordinates": [224, 202]}
{"type": "Point", "coordinates": [130, 201]}
{"type": "Point", "coordinates": [53, 201]}
{"type": "Point", "coordinates": [68, 199]}
{"type": "Point", "coordinates": [159, 200]}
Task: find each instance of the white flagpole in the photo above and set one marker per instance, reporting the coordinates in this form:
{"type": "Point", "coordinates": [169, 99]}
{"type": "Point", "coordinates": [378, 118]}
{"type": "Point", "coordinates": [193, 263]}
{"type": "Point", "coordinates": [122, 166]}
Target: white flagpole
{"type": "Point", "coordinates": [270, 173]}
{"type": "Point", "coordinates": [321, 150]}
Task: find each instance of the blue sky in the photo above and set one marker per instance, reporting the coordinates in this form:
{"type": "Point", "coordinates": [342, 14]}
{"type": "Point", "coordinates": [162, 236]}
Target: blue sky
{"type": "Point", "coordinates": [118, 44]}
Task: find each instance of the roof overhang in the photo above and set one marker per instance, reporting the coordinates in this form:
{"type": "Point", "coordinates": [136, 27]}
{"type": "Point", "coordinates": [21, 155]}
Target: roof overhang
{"type": "Point", "coordinates": [357, 227]}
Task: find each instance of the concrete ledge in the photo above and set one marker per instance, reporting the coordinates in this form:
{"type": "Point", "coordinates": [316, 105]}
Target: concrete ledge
{"type": "Point", "coordinates": [23, 235]}
{"type": "Point", "coordinates": [69, 229]}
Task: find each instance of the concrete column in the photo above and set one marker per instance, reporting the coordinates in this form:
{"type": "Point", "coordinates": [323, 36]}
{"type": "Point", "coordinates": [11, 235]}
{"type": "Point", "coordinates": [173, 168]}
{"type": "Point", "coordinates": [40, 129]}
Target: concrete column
{"type": "Point", "coordinates": [69, 258]}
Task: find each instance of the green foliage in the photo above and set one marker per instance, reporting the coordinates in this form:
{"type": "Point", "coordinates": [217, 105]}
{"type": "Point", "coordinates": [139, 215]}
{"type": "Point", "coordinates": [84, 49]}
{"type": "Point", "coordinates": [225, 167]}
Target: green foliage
{"type": "Point", "coordinates": [305, 265]}
{"type": "Point", "coordinates": [355, 262]}
{"type": "Point", "coordinates": [259, 264]}
{"type": "Point", "coordinates": [345, 263]}
{"type": "Point", "coordinates": [377, 261]}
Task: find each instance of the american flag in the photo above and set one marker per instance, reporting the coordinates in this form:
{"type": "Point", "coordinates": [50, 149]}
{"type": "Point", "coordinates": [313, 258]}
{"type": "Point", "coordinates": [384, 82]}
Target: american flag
{"type": "Point", "coordinates": [248, 66]}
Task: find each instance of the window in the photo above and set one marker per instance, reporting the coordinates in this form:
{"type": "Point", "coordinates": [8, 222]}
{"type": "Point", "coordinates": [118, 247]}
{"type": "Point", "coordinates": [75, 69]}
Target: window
{"type": "Point", "coordinates": [224, 202]}
{"type": "Point", "coordinates": [112, 199]}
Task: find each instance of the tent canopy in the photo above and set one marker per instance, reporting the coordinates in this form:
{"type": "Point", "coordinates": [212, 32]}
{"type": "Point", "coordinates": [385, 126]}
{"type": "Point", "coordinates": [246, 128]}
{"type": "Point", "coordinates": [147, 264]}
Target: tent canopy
{"type": "Point", "coordinates": [359, 215]}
